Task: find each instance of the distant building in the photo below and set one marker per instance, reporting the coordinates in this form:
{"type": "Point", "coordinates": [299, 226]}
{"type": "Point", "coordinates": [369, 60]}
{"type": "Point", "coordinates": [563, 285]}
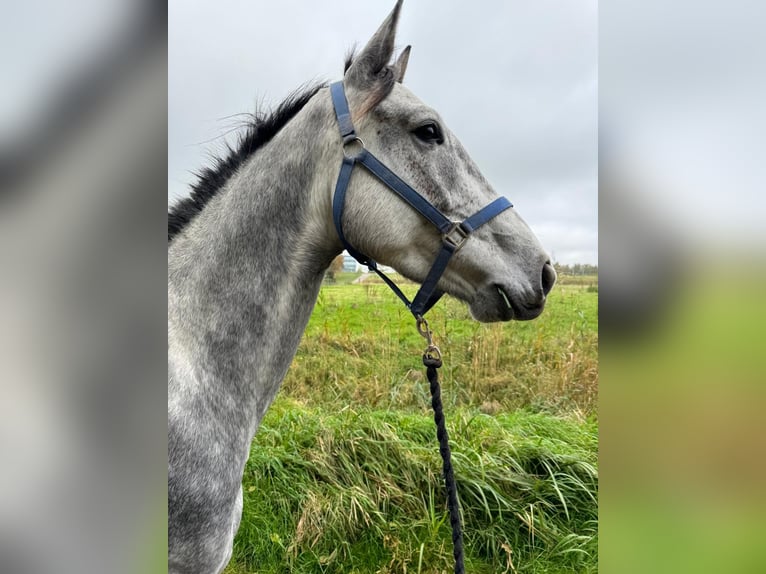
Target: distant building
{"type": "Point", "coordinates": [351, 265]}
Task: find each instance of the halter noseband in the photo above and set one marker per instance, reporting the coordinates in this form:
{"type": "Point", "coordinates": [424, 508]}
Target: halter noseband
{"type": "Point", "coordinates": [454, 234]}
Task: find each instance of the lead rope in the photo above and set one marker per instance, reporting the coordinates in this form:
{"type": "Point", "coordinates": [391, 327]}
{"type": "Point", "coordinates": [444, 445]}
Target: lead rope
{"type": "Point", "coordinates": [432, 360]}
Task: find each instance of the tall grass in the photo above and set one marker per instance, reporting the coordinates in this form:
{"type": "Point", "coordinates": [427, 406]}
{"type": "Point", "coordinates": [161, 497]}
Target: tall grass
{"type": "Point", "coordinates": [344, 474]}
{"type": "Point", "coordinates": [361, 349]}
{"type": "Point", "coordinates": [361, 491]}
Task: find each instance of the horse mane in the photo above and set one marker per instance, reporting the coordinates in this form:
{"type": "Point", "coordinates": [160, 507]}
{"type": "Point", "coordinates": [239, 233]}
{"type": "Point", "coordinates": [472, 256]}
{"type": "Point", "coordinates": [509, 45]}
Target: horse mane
{"type": "Point", "coordinates": [260, 129]}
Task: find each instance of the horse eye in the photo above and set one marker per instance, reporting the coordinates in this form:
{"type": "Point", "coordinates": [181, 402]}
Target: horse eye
{"type": "Point", "coordinates": [429, 133]}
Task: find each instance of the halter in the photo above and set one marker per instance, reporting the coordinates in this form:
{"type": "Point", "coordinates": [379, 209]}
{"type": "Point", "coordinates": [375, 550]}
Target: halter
{"type": "Point", "coordinates": [454, 233]}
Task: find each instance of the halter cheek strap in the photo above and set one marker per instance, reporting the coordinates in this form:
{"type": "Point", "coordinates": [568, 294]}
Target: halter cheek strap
{"type": "Point", "coordinates": [454, 234]}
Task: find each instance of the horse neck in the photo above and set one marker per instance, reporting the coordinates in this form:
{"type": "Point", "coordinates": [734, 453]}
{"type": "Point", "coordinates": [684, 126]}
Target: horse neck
{"type": "Point", "coordinates": [244, 277]}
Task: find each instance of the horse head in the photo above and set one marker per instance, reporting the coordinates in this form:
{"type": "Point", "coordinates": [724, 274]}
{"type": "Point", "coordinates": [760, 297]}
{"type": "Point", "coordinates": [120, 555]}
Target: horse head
{"type": "Point", "coordinates": [502, 272]}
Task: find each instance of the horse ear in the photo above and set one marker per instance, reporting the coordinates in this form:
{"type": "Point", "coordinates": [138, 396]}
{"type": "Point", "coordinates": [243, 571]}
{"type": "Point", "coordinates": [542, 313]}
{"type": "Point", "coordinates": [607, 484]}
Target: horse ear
{"type": "Point", "coordinates": [401, 64]}
{"type": "Point", "coordinates": [376, 55]}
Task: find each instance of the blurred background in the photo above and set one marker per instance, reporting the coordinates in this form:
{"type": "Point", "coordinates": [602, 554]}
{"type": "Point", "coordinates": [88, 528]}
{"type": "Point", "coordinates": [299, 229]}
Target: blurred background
{"type": "Point", "coordinates": [83, 132]}
{"type": "Point", "coordinates": [682, 308]}
{"type": "Point", "coordinates": [84, 157]}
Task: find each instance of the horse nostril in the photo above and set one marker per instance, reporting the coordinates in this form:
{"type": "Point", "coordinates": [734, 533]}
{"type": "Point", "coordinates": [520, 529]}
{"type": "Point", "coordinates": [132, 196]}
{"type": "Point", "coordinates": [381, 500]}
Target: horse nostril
{"type": "Point", "coordinates": [549, 278]}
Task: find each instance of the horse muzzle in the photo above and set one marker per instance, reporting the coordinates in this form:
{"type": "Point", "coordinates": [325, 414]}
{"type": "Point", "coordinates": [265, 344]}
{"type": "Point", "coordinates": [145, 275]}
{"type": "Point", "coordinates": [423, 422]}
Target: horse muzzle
{"type": "Point", "coordinates": [504, 302]}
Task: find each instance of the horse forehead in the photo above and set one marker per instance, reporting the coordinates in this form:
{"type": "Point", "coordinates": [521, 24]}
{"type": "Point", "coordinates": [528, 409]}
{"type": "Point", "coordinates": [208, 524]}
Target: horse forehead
{"type": "Point", "coordinates": [402, 101]}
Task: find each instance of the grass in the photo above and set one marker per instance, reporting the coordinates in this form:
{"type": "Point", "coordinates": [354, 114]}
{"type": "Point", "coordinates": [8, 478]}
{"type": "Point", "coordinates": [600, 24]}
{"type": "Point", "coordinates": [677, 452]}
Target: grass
{"type": "Point", "coordinates": [339, 492]}
{"type": "Point", "coordinates": [344, 474]}
{"type": "Point", "coordinates": [361, 349]}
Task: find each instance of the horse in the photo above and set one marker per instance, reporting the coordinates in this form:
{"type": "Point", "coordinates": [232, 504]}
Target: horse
{"type": "Point", "coordinates": [248, 250]}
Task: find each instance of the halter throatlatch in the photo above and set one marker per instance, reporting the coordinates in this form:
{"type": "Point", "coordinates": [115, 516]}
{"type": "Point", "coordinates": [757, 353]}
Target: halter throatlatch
{"type": "Point", "coordinates": [454, 233]}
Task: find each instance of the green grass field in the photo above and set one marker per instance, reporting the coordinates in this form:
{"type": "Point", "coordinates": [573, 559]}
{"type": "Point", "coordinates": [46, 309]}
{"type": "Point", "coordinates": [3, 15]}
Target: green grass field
{"type": "Point", "coordinates": [344, 474]}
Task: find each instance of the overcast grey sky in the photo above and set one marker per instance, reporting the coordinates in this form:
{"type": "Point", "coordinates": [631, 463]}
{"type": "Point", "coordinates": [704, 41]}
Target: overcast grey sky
{"type": "Point", "coordinates": [516, 81]}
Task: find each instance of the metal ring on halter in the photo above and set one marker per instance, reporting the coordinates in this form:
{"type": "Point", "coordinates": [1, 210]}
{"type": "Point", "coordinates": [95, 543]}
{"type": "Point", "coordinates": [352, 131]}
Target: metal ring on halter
{"type": "Point", "coordinates": [350, 141]}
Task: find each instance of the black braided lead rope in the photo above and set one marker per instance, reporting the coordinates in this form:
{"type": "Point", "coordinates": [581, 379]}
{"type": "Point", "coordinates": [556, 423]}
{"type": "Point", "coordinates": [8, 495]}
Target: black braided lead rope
{"type": "Point", "coordinates": [433, 363]}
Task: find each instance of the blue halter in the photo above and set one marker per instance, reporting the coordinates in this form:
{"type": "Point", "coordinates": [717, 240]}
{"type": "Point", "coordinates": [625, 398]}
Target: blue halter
{"type": "Point", "coordinates": [454, 234]}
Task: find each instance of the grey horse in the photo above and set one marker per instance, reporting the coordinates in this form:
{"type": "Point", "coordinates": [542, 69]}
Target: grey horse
{"type": "Point", "coordinates": [248, 250]}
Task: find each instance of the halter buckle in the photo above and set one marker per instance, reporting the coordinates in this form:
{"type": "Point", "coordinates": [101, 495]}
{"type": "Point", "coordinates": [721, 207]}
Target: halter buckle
{"type": "Point", "coordinates": [455, 236]}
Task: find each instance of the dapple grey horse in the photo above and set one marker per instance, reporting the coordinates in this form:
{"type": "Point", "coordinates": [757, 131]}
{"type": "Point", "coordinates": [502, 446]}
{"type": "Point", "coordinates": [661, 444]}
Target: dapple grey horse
{"type": "Point", "coordinates": [248, 250]}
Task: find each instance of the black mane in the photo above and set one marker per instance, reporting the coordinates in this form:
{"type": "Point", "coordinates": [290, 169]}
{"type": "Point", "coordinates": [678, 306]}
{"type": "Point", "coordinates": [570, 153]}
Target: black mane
{"type": "Point", "coordinates": [211, 180]}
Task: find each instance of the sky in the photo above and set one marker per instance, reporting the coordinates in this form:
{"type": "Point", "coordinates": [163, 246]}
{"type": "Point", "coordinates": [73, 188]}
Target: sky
{"type": "Point", "coordinates": [517, 82]}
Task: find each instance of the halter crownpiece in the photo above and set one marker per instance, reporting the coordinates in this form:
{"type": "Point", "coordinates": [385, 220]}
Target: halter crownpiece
{"type": "Point", "coordinates": [454, 233]}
